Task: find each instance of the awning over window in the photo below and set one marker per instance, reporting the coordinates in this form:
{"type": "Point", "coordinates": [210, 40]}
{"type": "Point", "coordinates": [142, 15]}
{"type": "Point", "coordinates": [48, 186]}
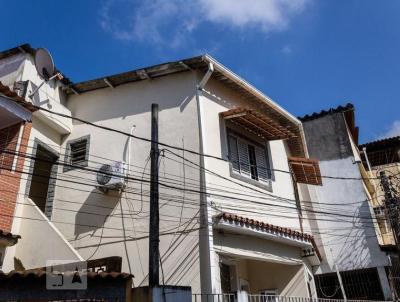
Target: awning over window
{"type": "Point", "coordinates": [258, 123]}
{"type": "Point", "coordinates": [305, 170]}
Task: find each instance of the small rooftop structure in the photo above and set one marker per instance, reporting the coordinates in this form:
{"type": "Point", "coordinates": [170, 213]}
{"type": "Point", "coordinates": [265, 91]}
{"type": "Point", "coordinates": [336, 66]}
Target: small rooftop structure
{"type": "Point", "coordinates": [382, 152]}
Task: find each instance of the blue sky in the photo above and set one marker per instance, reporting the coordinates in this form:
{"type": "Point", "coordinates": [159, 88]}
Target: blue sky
{"type": "Point", "coordinates": [307, 55]}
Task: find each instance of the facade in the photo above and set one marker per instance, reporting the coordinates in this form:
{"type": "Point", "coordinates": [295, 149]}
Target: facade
{"type": "Point", "coordinates": [347, 231]}
{"type": "Point", "coordinates": [383, 156]}
{"type": "Point", "coordinates": [230, 216]}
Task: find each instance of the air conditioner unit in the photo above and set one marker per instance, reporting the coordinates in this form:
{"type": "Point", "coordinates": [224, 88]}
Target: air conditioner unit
{"type": "Point", "coordinates": [111, 176]}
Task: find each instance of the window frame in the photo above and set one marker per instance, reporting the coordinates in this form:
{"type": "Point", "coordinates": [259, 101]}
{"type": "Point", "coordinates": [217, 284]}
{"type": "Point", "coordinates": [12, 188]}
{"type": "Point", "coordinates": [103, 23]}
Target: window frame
{"type": "Point", "coordinates": [68, 157]}
{"type": "Point", "coordinates": [237, 174]}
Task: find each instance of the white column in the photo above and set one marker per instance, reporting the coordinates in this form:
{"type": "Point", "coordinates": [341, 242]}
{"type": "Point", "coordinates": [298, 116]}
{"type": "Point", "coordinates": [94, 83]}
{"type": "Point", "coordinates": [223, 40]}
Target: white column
{"type": "Point", "coordinates": [387, 292]}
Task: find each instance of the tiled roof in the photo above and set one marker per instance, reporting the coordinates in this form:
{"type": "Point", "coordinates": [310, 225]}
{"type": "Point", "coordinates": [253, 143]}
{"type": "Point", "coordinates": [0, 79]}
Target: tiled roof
{"type": "Point", "coordinates": [252, 223]}
{"type": "Point", "coordinates": [315, 115]}
{"type": "Point", "coordinates": [8, 235]}
{"type": "Point", "coordinates": [6, 91]}
{"type": "Point", "coordinates": [41, 274]}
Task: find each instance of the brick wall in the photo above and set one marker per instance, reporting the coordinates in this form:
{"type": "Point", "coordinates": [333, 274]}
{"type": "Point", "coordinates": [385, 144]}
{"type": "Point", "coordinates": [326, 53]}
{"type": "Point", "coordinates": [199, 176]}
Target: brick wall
{"type": "Point", "coordinates": [9, 183]}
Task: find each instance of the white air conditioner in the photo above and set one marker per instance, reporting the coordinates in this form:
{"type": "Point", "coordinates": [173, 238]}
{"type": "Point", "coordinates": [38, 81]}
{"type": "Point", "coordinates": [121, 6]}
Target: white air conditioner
{"type": "Point", "coordinates": [111, 176]}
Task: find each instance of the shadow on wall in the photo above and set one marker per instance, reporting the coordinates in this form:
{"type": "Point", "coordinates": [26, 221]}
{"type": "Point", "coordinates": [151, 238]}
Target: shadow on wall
{"type": "Point", "coordinates": [94, 212]}
{"type": "Point", "coordinates": [359, 241]}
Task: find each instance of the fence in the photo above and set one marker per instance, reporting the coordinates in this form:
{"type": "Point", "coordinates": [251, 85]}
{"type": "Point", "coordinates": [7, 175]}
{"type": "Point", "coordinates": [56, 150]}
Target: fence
{"type": "Point", "coordinates": [244, 297]}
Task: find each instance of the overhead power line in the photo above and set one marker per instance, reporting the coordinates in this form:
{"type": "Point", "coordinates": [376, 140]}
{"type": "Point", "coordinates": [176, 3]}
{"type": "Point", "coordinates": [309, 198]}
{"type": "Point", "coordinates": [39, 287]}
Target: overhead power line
{"type": "Point", "coordinates": [175, 147]}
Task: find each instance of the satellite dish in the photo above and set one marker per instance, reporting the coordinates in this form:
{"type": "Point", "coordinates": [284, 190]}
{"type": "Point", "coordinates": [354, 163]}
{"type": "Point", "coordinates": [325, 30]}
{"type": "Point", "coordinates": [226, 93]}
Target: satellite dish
{"type": "Point", "coordinates": [44, 63]}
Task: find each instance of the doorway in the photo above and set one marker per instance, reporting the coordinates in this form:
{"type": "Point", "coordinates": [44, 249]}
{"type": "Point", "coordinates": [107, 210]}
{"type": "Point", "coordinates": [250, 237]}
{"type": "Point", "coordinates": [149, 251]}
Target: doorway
{"type": "Point", "coordinates": [41, 190]}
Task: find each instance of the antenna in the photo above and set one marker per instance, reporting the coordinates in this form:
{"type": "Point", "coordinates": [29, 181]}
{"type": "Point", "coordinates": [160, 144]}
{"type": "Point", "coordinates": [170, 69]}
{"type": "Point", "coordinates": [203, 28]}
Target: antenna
{"type": "Point", "coordinates": [45, 68]}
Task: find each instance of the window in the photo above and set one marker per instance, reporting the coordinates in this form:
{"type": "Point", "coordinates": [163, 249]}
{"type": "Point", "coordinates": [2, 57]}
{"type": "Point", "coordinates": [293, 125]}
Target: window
{"type": "Point", "coordinates": [8, 145]}
{"type": "Point", "coordinates": [77, 153]}
{"type": "Point", "coordinates": [248, 159]}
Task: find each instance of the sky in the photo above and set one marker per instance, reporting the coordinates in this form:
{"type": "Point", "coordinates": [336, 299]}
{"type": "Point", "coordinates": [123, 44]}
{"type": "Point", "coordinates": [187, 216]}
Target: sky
{"type": "Point", "coordinates": [307, 55]}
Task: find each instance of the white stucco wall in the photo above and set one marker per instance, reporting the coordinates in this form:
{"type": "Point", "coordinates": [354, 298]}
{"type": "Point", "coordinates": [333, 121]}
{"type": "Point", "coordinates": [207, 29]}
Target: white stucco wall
{"type": "Point", "coordinates": [96, 226]}
{"type": "Point", "coordinates": [240, 197]}
{"type": "Point", "coordinates": [349, 241]}
{"type": "Point", "coordinates": [40, 240]}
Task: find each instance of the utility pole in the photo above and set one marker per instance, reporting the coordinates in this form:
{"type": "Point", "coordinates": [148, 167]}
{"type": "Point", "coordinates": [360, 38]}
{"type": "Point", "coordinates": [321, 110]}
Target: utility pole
{"type": "Point", "coordinates": [154, 238]}
{"type": "Point", "coordinates": [341, 283]}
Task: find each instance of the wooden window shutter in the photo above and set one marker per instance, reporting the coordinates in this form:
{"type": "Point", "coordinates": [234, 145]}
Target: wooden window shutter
{"type": "Point", "coordinates": [262, 165]}
{"type": "Point", "coordinates": [305, 170]}
{"type": "Point", "coordinates": [233, 153]}
{"type": "Point", "coordinates": [8, 145]}
{"type": "Point", "coordinates": [244, 160]}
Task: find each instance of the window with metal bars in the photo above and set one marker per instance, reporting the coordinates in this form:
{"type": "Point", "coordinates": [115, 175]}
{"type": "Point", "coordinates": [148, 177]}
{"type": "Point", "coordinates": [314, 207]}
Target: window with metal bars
{"type": "Point", "coordinates": [8, 146]}
{"type": "Point", "coordinates": [77, 153]}
{"type": "Point", "coordinates": [248, 159]}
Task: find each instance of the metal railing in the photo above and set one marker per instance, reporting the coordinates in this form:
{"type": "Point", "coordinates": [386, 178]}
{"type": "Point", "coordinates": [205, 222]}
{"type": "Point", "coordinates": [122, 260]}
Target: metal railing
{"type": "Point", "coordinates": [214, 298]}
{"type": "Point", "coordinates": [243, 297]}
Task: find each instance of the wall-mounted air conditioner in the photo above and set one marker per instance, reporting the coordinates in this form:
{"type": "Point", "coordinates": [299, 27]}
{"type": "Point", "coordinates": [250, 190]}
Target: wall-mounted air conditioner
{"type": "Point", "coordinates": [111, 176]}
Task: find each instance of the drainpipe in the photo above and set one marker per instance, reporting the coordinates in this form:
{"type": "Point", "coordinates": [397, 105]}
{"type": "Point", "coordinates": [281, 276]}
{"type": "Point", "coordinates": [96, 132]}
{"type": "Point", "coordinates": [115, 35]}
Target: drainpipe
{"type": "Point", "coordinates": [206, 257]}
{"type": "Point", "coordinates": [206, 77]}
{"type": "Point", "coordinates": [367, 160]}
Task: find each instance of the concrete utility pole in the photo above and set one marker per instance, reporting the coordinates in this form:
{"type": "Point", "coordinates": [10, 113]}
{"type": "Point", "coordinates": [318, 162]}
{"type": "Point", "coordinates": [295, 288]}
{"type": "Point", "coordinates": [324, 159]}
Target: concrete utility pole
{"type": "Point", "coordinates": [154, 238]}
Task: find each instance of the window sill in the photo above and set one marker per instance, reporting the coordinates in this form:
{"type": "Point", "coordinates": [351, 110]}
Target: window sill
{"type": "Point", "coordinates": [262, 185]}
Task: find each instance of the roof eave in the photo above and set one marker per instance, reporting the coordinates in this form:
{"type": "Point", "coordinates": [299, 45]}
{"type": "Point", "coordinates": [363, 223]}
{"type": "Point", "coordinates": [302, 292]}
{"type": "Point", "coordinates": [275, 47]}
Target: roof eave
{"type": "Point", "coordinates": [250, 88]}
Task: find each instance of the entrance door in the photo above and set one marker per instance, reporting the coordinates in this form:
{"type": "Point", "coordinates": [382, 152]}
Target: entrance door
{"type": "Point", "coordinates": [41, 177]}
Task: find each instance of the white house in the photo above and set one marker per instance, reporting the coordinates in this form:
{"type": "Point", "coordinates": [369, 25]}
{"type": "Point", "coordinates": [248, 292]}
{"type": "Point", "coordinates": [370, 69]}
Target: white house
{"type": "Point", "coordinates": [230, 157]}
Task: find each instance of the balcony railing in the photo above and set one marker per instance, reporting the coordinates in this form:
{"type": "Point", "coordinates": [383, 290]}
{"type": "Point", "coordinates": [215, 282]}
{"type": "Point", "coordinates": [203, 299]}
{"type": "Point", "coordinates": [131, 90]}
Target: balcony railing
{"type": "Point", "coordinates": [244, 297]}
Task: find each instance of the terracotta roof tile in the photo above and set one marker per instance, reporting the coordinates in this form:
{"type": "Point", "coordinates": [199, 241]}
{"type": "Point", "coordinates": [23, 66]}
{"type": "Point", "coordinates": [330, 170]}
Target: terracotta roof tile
{"type": "Point", "coordinates": [41, 274]}
{"type": "Point", "coordinates": [267, 226]}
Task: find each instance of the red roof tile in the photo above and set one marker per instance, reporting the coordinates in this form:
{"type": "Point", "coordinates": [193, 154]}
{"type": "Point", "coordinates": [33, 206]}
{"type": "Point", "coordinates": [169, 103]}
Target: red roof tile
{"type": "Point", "coordinates": [248, 222]}
{"type": "Point", "coordinates": [41, 274]}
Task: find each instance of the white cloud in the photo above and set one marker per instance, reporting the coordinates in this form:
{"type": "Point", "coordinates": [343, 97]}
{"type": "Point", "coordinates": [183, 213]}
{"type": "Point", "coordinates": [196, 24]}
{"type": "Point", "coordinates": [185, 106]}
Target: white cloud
{"type": "Point", "coordinates": [171, 22]}
{"type": "Point", "coordinates": [394, 130]}
{"type": "Point", "coordinates": [269, 15]}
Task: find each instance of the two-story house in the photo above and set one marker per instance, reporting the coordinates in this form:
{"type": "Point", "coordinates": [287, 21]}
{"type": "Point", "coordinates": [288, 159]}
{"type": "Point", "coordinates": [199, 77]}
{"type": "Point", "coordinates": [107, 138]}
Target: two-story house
{"type": "Point", "coordinates": [231, 161]}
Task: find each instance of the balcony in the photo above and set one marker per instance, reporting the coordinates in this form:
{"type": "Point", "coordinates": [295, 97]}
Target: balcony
{"type": "Point", "coordinates": [62, 125]}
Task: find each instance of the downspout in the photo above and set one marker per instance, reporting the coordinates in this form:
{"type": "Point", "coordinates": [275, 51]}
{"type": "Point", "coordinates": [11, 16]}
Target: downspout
{"type": "Point", "coordinates": [206, 261]}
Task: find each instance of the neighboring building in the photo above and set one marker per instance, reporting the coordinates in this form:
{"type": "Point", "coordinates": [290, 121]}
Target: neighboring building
{"type": "Point", "coordinates": [226, 225]}
{"type": "Point", "coordinates": [384, 156]}
{"type": "Point", "coordinates": [346, 229]}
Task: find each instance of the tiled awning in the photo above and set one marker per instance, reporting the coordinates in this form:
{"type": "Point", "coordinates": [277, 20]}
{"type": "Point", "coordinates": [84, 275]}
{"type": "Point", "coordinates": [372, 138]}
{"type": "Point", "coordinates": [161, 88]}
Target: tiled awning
{"type": "Point", "coordinates": [258, 123]}
{"type": "Point", "coordinates": [305, 170]}
{"type": "Point", "coordinates": [283, 234]}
